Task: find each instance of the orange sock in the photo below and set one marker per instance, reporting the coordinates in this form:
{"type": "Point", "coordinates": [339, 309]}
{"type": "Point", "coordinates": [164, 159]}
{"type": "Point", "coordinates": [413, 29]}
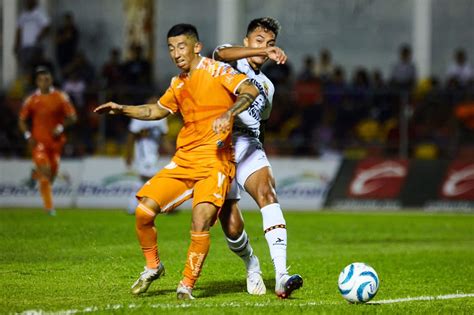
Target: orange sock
{"type": "Point", "coordinates": [146, 233]}
{"type": "Point", "coordinates": [46, 193]}
{"type": "Point", "coordinates": [197, 252]}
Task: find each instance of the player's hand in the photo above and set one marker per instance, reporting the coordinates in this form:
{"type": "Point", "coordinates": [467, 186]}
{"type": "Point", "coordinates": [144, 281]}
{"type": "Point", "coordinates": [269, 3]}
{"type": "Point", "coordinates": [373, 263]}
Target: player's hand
{"type": "Point", "coordinates": [110, 108]}
{"type": "Point", "coordinates": [58, 130]}
{"type": "Point", "coordinates": [223, 123]}
{"type": "Point", "coordinates": [276, 54]}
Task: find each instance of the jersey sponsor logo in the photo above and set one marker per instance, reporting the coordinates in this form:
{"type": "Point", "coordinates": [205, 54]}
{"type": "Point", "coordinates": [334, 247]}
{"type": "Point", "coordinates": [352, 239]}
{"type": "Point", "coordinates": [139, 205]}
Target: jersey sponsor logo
{"type": "Point", "coordinates": [459, 181]}
{"type": "Point", "coordinates": [378, 179]}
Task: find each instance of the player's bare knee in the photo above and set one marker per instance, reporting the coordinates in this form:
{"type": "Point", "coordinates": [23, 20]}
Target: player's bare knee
{"type": "Point", "coordinates": [266, 195]}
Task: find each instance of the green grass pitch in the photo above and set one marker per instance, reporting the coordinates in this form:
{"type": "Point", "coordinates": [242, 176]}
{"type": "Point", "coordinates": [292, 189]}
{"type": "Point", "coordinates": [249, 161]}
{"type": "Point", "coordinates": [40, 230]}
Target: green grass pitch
{"type": "Point", "coordinates": [85, 261]}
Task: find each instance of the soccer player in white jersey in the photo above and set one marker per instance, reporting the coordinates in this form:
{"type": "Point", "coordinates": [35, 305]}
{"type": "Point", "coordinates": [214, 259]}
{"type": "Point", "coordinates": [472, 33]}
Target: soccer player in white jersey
{"type": "Point", "coordinates": [254, 173]}
{"type": "Point", "coordinates": [143, 143]}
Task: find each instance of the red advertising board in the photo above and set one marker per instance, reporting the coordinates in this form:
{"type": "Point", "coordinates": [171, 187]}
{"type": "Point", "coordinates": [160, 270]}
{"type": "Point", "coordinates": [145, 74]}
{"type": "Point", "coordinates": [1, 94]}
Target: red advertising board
{"type": "Point", "coordinates": [458, 183]}
{"type": "Point", "coordinates": [378, 179]}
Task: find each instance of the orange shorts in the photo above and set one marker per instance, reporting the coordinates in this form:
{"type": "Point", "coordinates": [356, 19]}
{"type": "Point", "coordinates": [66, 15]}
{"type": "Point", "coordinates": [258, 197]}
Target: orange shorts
{"type": "Point", "coordinates": [175, 184]}
{"type": "Point", "coordinates": [47, 156]}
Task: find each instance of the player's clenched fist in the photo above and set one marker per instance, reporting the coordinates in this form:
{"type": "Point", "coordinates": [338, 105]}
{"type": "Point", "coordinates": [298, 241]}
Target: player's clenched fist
{"type": "Point", "coordinates": [110, 108]}
{"type": "Point", "coordinates": [276, 54]}
{"type": "Point", "coordinates": [222, 123]}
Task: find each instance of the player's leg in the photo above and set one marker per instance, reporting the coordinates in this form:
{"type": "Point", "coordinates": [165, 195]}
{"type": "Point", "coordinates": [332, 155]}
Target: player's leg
{"type": "Point", "coordinates": [159, 194]}
{"type": "Point", "coordinates": [261, 186]}
{"type": "Point", "coordinates": [132, 199]}
{"type": "Point", "coordinates": [145, 214]}
{"type": "Point", "coordinates": [209, 196]}
{"type": "Point", "coordinates": [44, 176]}
{"type": "Point", "coordinates": [232, 224]}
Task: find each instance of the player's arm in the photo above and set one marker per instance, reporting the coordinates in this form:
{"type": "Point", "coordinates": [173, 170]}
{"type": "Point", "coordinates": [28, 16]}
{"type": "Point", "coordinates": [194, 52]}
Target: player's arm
{"type": "Point", "coordinates": [141, 112]}
{"type": "Point", "coordinates": [247, 92]}
{"type": "Point", "coordinates": [232, 53]}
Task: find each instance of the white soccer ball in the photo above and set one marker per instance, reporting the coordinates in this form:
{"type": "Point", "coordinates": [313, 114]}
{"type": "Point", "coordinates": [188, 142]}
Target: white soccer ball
{"type": "Point", "coordinates": [358, 283]}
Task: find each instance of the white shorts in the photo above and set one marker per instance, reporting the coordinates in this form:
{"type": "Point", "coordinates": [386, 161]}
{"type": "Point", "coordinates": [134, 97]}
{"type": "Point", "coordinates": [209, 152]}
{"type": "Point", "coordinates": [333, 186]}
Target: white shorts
{"type": "Point", "coordinates": [249, 157]}
{"type": "Point", "coordinates": [147, 167]}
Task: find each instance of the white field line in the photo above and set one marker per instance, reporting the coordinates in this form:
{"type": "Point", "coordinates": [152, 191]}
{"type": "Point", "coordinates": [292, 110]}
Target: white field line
{"type": "Point", "coordinates": [179, 305]}
{"type": "Point", "coordinates": [424, 298]}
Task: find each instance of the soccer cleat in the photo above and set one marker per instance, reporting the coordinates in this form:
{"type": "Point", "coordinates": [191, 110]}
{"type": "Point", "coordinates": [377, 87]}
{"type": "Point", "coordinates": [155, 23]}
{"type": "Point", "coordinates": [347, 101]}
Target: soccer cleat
{"type": "Point", "coordinates": [184, 293]}
{"type": "Point", "coordinates": [255, 284]}
{"type": "Point", "coordinates": [146, 278]}
{"type": "Point", "coordinates": [51, 212]}
{"type": "Point", "coordinates": [286, 284]}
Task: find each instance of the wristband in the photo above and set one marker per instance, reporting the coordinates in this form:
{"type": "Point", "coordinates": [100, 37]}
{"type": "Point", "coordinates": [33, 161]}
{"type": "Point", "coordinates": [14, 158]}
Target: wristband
{"type": "Point", "coordinates": [27, 135]}
{"type": "Point", "coordinates": [59, 129]}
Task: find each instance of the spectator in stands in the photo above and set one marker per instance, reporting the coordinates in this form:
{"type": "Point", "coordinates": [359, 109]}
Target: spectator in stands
{"type": "Point", "coordinates": [33, 26]}
{"type": "Point", "coordinates": [309, 99]}
{"type": "Point", "coordinates": [112, 70]}
{"type": "Point", "coordinates": [324, 67]}
{"type": "Point", "coordinates": [67, 39]}
{"type": "Point", "coordinates": [75, 87]}
{"type": "Point", "coordinates": [136, 70]}
{"type": "Point", "coordinates": [460, 69]}
{"type": "Point", "coordinates": [82, 67]}
{"type": "Point", "coordinates": [404, 74]}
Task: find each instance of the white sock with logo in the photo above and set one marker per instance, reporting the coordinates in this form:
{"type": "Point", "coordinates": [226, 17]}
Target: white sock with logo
{"type": "Point", "coordinates": [241, 247]}
{"type": "Point", "coordinates": [274, 226]}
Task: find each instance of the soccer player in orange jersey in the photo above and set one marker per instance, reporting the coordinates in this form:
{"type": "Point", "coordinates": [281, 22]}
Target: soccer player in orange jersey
{"type": "Point", "coordinates": [43, 117]}
{"type": "Point", "coordinates": [208, 94]}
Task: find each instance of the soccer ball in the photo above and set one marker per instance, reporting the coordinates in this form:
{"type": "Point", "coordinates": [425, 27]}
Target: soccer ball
{"type": "Point", "coordinates": [358, 283]}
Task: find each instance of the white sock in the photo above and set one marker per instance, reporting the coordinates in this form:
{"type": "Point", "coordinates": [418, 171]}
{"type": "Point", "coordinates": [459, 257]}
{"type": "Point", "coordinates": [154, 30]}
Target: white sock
{"type": "Point", "coordinates": [274, 226]}
{"type": "Point", "coordinates": [241, 247]}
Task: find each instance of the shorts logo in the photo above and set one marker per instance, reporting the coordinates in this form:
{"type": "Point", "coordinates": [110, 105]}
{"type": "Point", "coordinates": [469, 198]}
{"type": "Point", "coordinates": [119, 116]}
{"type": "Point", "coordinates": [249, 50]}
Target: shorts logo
{"type": "Point", "coordinates": [220, 179]}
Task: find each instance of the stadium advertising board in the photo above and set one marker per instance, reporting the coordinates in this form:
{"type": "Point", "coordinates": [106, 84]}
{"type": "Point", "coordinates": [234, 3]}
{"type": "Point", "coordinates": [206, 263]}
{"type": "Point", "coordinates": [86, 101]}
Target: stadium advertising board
{"type": "Point", "coordinates": [456, 191]}
{"type": "Point", "coordinates": [372, 184]}
{"type": "Point", "coordinates": [106, 183]}
{"type": "Point", "coordinates": [17, 190]}
{"type": "Point", "coordinates": [301, 184]}
{"type": "Point", "coordinates": [459, 182]}
{"type": "Point", "coordinates": [378, 179]}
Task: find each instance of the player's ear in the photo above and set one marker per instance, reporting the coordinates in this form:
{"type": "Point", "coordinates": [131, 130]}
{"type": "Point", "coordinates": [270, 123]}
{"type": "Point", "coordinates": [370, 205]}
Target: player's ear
{"type": "Point", "coordinates": [197, 47]}
{"type": "Point", "coordinates": [246, 41]}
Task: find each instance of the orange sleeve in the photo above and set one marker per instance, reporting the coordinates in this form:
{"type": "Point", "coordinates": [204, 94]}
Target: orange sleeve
{"type": "Point", "coordinates": [68, 108]}
{"type": "Point", "coordinates": [168, 100]}
{"type": "Point", "coordinates": [230, 78]}
{"type": "Point", "coordinates": [25, 111]}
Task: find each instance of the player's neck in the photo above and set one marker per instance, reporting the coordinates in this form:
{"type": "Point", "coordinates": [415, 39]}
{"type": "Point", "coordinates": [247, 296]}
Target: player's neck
{"type": "Point", "coordinates": [45, 91]}
{"type": "Point", "coordinates": [254, 66]}
{"type": "Point", "coordinates": [195, 63]}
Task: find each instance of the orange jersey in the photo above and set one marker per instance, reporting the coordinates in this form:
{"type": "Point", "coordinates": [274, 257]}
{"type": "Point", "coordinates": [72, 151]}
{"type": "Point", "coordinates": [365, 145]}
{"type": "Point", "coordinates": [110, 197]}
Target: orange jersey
{"type": "Point", "coordinates": [201, 96]}
{"type": "Point", "coordinates": [46, 111]}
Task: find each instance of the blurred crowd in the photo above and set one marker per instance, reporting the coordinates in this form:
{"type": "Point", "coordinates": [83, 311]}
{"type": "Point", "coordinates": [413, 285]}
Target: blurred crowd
{"type": "Point", "coordinates": [321, 109]}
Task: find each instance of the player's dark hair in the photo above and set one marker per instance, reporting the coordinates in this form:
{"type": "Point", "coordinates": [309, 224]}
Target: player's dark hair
{"type": "Point", "coordinates": [183, 29]}
{"type": "Point", "coordinates": [267, 23]}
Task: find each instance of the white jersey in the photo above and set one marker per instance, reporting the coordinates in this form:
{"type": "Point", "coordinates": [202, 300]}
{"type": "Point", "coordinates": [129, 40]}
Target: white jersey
{"type": "Point", "coordinates": [146, 145]}
{"type": "Point", "coordinates": [248, 122]}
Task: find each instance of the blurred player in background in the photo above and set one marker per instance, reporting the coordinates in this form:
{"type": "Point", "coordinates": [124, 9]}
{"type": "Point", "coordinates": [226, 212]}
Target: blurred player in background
{"type": "Point", "coordinates": [143, 144]}
{"type": "Point", "coordinates": [208, 94]}
{"type": "Point", "coordinates": [254, 173]}
{"type": "Point", "coordinates": [44, 116]}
